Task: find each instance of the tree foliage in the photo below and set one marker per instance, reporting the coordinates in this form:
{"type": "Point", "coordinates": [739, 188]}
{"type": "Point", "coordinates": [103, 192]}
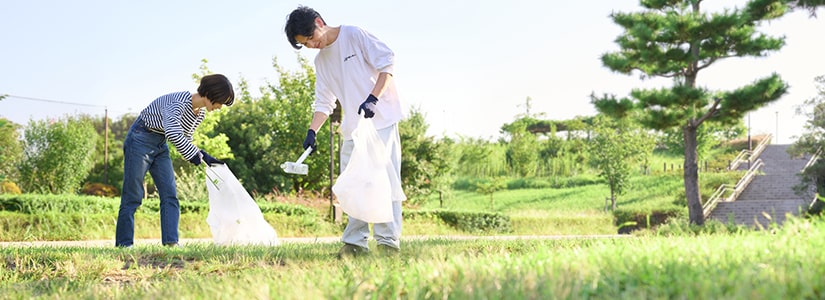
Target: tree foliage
{"type": "Point", "coordinates": [614, 147]}
{"type": "Point", "coordinates": [676, 39]}
{"type": "Point", "coordinates": [523, 152]}
{"type": "Point", "coordinates": [708, 136]}
{"type": "Point", "coordinates": [813, 138]}
{"type": "Point", "coordinates": [11, 150]}
{"type": "Point", "coordinates": [110, 170]}
{"type": "Point", "coordinates": [264, 132]}
{"type": "Point", "coordinates": [810, 5]}
{"type": "Point", "coordinates": [58, 155]}
{"type": "Point", "coordinates": [425, 162]}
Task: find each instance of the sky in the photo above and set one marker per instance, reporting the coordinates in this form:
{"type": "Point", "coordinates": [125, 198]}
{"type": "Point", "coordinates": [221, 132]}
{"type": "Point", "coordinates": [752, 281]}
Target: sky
{"type": "Point", "coordinates": [469, 66]}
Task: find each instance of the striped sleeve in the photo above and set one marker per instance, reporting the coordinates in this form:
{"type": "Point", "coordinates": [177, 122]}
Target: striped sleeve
{"type": "Point", "coordinates": [172, 114]}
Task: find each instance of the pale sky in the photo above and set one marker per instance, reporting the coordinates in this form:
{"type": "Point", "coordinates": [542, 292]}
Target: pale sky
{"type": "Point", "coordinates": [469, 65]}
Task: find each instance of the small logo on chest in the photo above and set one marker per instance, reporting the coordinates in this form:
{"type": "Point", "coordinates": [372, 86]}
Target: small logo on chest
{"type": "Point", "coordinates": [348, 57]}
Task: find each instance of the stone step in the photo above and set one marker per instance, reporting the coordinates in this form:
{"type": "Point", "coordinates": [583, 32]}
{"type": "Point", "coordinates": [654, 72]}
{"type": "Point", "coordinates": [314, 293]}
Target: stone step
{"type": "Point", "coordinates": [771, 195]}
{"type": "Point", "coordinates": [758, 213]}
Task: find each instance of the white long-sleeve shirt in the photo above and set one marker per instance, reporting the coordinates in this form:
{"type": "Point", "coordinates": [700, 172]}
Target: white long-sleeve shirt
{"type": "Point", "coordinates": [347, 70]}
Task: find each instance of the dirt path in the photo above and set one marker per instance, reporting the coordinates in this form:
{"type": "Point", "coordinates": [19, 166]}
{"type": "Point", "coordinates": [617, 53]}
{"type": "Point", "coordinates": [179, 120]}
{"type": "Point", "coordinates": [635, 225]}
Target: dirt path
{"type": "Point", "coordinates": [330, 239]}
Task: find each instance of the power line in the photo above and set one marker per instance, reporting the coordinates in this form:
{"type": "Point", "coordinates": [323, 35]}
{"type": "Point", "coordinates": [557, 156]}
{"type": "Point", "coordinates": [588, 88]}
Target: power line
{"type": "Point", "coordinates": [54, 101]}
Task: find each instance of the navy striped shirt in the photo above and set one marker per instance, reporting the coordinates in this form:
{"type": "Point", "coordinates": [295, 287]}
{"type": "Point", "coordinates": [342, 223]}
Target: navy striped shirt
{"type": "Point", "coordinates": [173, 116]}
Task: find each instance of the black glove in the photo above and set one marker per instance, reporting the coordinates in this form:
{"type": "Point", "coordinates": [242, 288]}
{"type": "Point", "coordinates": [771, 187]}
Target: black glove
{"type": "Point", "coordinates": [368, 106]}
{"type": "Point", "coordinates": [196, 160]}
{"type": "Point", "coordinates": [211, 160]}
{"type": "Point", "coordinates": [309, 141]}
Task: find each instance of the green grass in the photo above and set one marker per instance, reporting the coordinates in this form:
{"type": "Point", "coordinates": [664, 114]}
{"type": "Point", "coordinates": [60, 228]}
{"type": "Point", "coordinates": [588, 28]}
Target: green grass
{"type": "Point", "coordinates": [780, 263]}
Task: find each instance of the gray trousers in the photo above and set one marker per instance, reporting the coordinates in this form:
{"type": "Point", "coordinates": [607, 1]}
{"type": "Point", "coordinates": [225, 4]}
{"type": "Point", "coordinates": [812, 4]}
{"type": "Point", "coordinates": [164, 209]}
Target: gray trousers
{"type": "Point", "coordinates": [357, 232]}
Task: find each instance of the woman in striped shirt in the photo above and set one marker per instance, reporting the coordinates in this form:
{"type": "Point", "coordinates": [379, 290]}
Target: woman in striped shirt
{"type": "Point", "coordinates": [173, 117]}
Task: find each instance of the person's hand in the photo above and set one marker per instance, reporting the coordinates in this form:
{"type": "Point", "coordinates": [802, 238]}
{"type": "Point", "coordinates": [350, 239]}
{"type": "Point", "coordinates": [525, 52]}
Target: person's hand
{"type": "Point", "coordinates": [196, 160]}
{"type": "Point", "coordinates": [309, 141]}
{"type": "Point", "coordinates": [368, 106]}
{"type": "Point", "coordinates": [211, 160]}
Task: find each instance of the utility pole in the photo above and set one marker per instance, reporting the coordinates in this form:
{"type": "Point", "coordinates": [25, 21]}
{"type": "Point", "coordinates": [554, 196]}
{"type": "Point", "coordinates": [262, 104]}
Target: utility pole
{"type": "Point", "coordinates": [777, 128]}
{"type": "Point", "coordinates": [750, 143]}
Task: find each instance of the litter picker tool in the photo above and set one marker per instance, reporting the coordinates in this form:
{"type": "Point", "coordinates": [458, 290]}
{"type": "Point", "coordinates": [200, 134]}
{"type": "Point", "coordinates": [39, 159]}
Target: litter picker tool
{"type": "Point", "coordinates": [298, 167]}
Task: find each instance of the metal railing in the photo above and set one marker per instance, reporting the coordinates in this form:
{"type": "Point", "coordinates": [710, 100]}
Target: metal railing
{"type": "Point", "coordinates": [750, 155]}
{"type": "Point", "coordinates": [810, 163]}
{"type": "Point", "coordinates": [734, 191]}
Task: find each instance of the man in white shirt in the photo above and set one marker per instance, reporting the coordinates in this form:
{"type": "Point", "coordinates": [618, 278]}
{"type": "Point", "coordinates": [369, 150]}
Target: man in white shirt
{"type": "Point", "coordinates": [355, 68]}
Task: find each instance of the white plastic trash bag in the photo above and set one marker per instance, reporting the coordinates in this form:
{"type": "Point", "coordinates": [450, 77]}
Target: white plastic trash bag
{"type": "Point", "coordinates": [234, 218]}
{"type": "Point", "coordinates": [363, 188]}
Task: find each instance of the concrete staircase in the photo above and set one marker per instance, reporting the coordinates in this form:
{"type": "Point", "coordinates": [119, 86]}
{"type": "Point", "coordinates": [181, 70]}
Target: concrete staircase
{"type": "Point", "coordinates": [770, 196]}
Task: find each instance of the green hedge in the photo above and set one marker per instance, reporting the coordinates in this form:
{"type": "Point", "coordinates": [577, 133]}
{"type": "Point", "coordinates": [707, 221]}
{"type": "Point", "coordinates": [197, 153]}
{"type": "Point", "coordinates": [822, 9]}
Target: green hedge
{"type": "Point", "coordinates": [40, 204]}
{"type": "Point", "coordinates": [469, 221]}
{"type": "Point", "coordinates": [470, 183]}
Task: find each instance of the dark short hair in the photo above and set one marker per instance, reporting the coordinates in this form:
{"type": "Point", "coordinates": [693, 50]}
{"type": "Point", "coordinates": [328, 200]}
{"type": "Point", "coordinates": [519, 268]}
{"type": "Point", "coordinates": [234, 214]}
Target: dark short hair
{"type": "Point", "coordinates": [217, 89]}
{"type": "Point", "coordinates": [301, 21]}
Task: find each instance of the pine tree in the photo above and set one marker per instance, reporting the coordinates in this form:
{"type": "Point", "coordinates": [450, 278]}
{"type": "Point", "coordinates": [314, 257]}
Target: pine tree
{"type": "Point", "coordinates": [676, 39]}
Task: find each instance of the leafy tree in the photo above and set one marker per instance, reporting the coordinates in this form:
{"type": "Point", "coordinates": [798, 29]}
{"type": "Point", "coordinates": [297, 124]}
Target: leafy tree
{"type": "Point", "coordinates": [523, 146]}
{"type": "Point", "coordinates": [614, 147]}
{"type": "Point", "coordinates": [480, 158]}
{"type": "Point", "coordinates": [523, 152]}
{"type": "Point", "coordinates": [110, 170]}
{"type": "Point", "coordinates": [813, 139]}
{"type": "Point", "coordinates": [58, 155]}
{"type": "Point", "coordinates": [424, 161]}
{"type": "Point", "coordinates": [11, 150]}
{"type": "Point", "coordinates": [490, 186]}
{"type": "Point", "coordinates": [707, 137]}
{"type": "Point", "coordinates": [675, 39]}
{"type": "Point", "coordinates": [267, 131]}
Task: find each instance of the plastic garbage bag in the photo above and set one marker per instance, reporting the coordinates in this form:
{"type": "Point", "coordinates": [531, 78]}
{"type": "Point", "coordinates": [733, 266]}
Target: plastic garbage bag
{"type": "Point", "coordinates": [234, 218]}
{"type": "Point", "coordinates": [363, 188]}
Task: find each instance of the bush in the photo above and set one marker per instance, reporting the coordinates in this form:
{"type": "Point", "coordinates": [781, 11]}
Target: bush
{"type": "Point", "coordinates": [99, 189]}
{"type": "Point", "coordinates": [46, 168]}
{"type": "Point", "coordinates": [8, 187]}
{"type": "Point", "coordinates": [630, 220]}
{"type": "Point", "coordinates": [472, 222]}
{"type": "Point", "coordinates": [39, 204]}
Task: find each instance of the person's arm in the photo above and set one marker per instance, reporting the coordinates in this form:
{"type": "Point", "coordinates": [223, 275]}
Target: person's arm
{"type": "Point", "coordinates": [318, 120]}
{"type": "Point", "coordinates": [381, 84]}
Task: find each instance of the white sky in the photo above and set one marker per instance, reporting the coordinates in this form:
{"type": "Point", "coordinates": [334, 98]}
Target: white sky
{"type": "Point", "coordinates": [469, 65]}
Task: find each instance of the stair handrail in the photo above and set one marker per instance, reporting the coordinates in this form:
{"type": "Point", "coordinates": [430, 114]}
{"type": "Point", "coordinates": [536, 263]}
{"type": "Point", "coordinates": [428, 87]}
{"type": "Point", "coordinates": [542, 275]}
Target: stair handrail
{"type": "Point", "coordinates": [738, 159]}
{"type": "Point", "coordinates": [760, 147]}
{"type": "Point", "coordinates": [810, 163]}
{"type": "Point", "coordinates": [750, 155]}
{"type": "Point", "coordinates": [740, 186]}
{"type": "Point", "coordinates": [813, 159]}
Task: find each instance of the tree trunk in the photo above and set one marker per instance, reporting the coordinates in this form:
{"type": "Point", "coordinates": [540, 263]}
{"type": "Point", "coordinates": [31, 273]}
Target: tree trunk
{"type": "Point", "coordinates": [613, 202]}
{"type": "Point", "coordinates": [694, 198]}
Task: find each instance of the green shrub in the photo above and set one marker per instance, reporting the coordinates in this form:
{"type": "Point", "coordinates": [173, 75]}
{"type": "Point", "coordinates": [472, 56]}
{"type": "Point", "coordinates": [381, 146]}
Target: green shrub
{"type": "Point", "coordinates": [629, 220]}
{"type": "Point", "coordinates": [39, 204]}
{"type": "Point", "coordinates": [473, 222]}
{"type": "Point", "coordinates": [287, 209]}
{"type": "Point", "coordinates": [470, 183]}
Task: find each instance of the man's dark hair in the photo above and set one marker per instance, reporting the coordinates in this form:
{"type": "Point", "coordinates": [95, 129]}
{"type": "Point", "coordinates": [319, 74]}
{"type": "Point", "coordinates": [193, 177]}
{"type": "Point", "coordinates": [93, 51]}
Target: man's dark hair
{"type": "Point", "coordinates": [301, 21]}
{"type": "Point", "coordinates": [217, 89]}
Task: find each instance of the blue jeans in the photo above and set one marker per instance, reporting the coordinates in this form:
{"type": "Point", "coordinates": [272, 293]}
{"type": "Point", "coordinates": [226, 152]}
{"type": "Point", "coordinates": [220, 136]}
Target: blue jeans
{"type": "Point", "coordinates": [144, 151]}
